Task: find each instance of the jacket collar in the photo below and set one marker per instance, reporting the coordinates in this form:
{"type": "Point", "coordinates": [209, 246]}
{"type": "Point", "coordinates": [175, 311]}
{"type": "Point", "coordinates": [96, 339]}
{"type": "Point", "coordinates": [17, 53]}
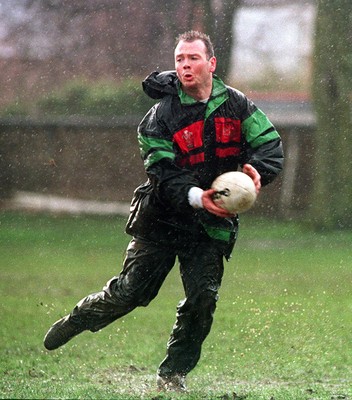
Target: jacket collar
{"type": "Point", "coordinates": [218, 96]}
{"type": "Point", "coordinates": [160, 84]}
{"type": "Point", "coordinates": [218, 89]}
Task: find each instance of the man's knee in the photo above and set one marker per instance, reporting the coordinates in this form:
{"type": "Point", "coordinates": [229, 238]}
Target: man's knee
{"type": "Point", "coordinates": [207, 299]}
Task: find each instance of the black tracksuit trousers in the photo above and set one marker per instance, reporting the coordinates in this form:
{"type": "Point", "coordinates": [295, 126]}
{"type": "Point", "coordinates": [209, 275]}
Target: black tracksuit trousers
{"type": "Point", "coordinates": [144, 270]}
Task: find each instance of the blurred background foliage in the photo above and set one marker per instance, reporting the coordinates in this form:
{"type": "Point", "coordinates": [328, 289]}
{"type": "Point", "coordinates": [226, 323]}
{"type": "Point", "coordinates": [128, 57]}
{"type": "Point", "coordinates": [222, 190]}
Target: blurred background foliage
{"type": "Point", "coordinates": [50, 47]}
{"type": "Point", "coordinates": [80, 97]}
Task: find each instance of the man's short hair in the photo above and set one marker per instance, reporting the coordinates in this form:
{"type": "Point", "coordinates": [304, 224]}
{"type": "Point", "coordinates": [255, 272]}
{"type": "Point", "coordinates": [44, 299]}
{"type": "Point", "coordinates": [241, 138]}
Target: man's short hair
{"type": "Point", "coordinates": [191, 36]}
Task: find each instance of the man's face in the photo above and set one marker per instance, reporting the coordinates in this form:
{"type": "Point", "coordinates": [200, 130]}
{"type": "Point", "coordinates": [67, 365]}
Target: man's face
{"type": "Point", "coordinates": [193, 68]}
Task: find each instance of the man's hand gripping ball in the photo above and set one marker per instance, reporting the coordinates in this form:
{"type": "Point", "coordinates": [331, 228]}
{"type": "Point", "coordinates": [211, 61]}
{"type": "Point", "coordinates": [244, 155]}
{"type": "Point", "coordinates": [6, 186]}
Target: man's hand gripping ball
{"type": "Point", "coordinates": [209, 195]}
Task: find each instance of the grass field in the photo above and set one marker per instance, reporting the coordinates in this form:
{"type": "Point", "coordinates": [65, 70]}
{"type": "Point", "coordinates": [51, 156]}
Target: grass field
{"type": "Point", "coordinates": [282, 329]}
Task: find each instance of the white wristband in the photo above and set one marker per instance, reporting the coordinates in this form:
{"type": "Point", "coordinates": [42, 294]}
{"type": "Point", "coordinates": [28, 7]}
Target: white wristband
{"type": "Point", "coordinates": [195, 197]}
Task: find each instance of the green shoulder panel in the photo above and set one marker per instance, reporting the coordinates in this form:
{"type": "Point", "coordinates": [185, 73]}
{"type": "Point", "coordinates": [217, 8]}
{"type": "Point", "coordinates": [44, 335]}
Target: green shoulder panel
{"type": "Point", "coordinates": [258, 129]}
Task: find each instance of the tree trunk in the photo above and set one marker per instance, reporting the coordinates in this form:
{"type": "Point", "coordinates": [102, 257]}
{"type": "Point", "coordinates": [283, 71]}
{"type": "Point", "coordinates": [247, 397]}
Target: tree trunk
{"type": "Point", "coordinates": [332, 94]}
{"type": "Point", "coordinates": [223, 35]}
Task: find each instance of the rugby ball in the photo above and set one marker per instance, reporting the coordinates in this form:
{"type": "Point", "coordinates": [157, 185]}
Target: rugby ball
{"type": "Point", "coordinates": [235, 192]}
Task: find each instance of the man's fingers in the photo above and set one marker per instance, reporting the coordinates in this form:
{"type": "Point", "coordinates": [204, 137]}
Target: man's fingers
{"type": "Point", "coordinates": [209, 205]}
{"type": "Point", "coordinates": [254, 175]}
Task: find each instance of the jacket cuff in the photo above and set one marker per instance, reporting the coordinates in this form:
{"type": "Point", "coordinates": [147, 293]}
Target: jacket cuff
{"type": "Point", "coordinates": [195, 197]}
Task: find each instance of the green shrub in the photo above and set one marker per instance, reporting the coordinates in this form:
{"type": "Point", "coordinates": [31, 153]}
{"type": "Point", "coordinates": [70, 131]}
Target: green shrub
{"type": "Point", "coordinates": [101, 99]}
{"type": "Point", "coordinates": [15, 109]}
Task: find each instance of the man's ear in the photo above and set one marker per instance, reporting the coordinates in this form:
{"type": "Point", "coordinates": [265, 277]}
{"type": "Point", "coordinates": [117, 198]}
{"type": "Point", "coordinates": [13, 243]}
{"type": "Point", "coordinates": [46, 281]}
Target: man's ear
{"type": "Point", "coordinates": [212, 62]}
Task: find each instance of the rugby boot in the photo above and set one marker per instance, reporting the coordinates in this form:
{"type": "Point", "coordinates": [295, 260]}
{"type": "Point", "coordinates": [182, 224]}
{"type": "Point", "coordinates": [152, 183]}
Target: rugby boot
{"type": "Point", "coordinates": [174, 383]}
{"type": "Point", "coordinates": [61, 332]}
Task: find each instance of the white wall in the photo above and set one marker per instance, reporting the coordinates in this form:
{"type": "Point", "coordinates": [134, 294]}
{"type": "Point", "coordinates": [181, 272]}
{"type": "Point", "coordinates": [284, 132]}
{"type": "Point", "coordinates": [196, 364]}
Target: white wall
{"type": "Point", "coordinates": [276, 39]}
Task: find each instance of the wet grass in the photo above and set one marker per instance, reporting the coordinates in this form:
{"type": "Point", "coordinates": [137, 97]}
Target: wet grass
{"type": "Point", "coordinates": [282, 329]}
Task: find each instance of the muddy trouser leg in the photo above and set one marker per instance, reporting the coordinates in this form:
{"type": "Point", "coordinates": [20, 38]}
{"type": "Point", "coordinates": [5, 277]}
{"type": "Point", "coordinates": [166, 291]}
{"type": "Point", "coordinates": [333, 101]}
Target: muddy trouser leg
{"type": "Point", "coordinates": [144, 270]}
{"type": "Point", "coordinates": [201, 270]}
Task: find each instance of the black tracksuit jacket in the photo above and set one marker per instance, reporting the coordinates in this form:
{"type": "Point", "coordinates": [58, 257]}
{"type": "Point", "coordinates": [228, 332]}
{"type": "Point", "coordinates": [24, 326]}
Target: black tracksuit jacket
{"type": "Point", "coordinates": [186, 143]}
